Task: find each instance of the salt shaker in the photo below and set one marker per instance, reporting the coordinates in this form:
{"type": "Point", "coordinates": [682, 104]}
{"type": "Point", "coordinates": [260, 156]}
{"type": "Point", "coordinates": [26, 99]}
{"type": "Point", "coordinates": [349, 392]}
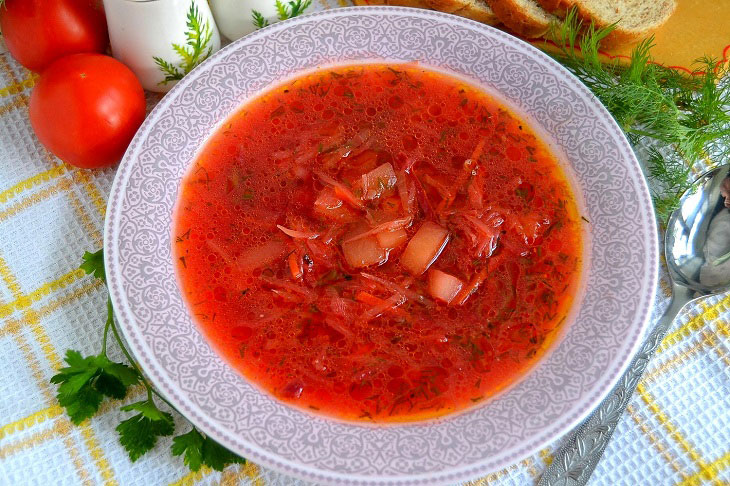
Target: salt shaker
{"type": "Point", "coordinates": [161, 40]}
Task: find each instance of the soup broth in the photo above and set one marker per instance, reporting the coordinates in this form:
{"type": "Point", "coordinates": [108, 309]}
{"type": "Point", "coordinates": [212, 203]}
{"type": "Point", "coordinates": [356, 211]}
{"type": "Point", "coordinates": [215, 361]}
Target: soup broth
{"type": "Point", "coordinates": [377, 242]}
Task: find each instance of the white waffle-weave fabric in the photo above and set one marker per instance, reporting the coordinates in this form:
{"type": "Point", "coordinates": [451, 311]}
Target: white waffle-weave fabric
{"type": "Point", "coordinates": [676, 431]}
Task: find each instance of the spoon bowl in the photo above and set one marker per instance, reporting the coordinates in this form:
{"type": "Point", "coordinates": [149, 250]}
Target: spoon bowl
{"type": "Point", "coordinates": [698, 235]}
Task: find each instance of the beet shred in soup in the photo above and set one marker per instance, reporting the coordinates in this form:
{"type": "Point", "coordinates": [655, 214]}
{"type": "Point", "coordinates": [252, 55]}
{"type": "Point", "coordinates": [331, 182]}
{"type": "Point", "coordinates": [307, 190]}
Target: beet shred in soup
{"type": "Point", "coordinates": [378, 242]}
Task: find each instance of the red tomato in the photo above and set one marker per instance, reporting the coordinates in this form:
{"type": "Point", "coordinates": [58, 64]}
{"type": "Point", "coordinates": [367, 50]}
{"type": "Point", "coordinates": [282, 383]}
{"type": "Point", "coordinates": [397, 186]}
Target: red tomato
{"type": "Point", "coordinates": [86, 108]}
{"type": "Point", "coordinates": [37, 32]}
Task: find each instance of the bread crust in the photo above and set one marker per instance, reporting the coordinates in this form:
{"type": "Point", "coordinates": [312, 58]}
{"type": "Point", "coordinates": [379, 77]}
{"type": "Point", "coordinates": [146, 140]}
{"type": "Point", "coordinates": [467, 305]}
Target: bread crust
{"type": "Point", "coordinates": [559, 8]}
{"type": "Point", "coordinates": [514, 18]}
{"type": "Point", "coordinates": [456, 7]}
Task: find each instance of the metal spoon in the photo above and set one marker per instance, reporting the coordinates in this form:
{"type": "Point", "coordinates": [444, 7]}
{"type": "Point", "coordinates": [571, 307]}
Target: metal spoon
{"type": "Point", "coordinates": [697, 249]}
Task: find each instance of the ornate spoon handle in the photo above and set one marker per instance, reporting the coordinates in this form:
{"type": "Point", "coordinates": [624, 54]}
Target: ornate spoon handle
{"type": "Point", "coordinates": [578, 458]}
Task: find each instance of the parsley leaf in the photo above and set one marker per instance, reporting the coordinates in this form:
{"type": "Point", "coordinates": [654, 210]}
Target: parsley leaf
{"type": "Point", "coordinates": [199, 450]}
{"type": "Point", "coordinates": [126, 375]}
{"type": "Point", "coordinates": [147, 409]}
{"type": "Point", "coordinates": [81, 405]}
{"type": "Point", "coordinates": [86, 381]}
{"type": "Point", "coordinates": [190, 444]}
{"type": "Point", "coordinates": [110, 386]}
{"type": "Point", "coordinates": [138, 434]}
{"type": "Point", "coordinates": [94, 263]}
{"type": "Point", "coordinates": [217, 457]}
{"type": "Point", "coordinates": [76, 375]}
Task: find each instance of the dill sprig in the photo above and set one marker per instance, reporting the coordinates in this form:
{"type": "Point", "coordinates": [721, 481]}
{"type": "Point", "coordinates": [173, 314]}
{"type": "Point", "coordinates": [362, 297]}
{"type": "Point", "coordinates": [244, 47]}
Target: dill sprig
{"type": "Point", "coordinates": [684, 119]}
{"type": "Point", "coordinates": [197, 48]}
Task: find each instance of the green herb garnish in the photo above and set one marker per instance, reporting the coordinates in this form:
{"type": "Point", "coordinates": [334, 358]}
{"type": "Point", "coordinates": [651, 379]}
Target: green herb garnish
{"type": "Point", "coordinates": [138, 434]}
{"type": "Point", "coordinates": [687, 114]}
{"type": "Point", "coordinates": [93, 263]}
{"type": "Point", "coordinates": [87, 381]}
{"type": "Point", "coordinates": [198, 450]}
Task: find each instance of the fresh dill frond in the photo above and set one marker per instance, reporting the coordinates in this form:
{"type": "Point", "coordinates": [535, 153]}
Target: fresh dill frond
{"type": "Point", "coordinates": [689, 115]}
{"type": "Point", "coordinates": [671, 175]}
{"type": "Point", "coordinates": [258, 20]}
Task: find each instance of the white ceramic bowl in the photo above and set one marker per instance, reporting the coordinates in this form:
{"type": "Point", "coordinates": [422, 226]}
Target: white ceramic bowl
{"type": "Point", "coordinates": [607, 325]}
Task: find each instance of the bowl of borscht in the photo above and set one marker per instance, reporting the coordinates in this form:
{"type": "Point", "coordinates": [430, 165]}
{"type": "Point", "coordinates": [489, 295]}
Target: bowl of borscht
{"type": "Point", "coordinates": [381, 246]}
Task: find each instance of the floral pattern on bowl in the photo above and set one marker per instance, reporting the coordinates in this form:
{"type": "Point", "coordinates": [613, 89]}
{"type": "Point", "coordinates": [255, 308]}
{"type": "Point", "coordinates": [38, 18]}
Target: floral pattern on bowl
{"type": "Point", "coordinates": [608, 323]}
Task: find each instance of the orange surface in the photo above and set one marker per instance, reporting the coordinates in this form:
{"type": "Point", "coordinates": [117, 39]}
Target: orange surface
{"type": "Point", "coordinates": [697, 28]}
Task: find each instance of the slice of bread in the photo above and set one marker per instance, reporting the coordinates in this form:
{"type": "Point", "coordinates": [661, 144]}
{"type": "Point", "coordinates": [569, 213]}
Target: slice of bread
{"type": "Point", "coordinates": [524, 17]}
{"type": "Point", "coordinates": [472, 9]}
{"type": "Point", "coordinates": [637, 19]}
{"type": "Point", "coordinates": [557, 7]}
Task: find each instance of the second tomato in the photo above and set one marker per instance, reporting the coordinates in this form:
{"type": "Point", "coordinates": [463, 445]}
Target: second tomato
{"type": "Point", "coordinates": [86, 108]}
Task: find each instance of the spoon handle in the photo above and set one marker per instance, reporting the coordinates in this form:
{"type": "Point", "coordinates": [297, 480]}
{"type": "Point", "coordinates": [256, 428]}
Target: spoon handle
{"type": "Point", "coordinates": [577, 459]}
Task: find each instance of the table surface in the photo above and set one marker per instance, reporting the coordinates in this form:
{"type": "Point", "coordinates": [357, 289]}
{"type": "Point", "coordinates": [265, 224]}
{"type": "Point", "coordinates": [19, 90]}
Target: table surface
{"type": "Point", "coordinates": [676, 430]}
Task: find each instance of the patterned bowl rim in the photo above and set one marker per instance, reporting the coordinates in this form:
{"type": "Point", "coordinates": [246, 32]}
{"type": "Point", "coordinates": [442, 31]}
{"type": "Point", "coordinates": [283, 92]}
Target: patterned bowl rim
{"type": "Point", "coordinates": [269, 458]}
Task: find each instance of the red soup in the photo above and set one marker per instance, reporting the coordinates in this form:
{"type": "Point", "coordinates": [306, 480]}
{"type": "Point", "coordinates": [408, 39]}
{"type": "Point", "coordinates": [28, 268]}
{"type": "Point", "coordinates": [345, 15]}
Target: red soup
{"type": "Point", "coordinates": [377, 242]}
